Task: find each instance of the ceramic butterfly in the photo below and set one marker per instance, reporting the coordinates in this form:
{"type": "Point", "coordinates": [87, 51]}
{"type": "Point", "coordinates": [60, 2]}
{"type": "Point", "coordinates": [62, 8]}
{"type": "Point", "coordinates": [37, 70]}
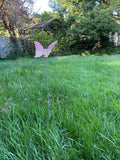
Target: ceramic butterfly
{"type": "Point", "coordinates": [40, 51]}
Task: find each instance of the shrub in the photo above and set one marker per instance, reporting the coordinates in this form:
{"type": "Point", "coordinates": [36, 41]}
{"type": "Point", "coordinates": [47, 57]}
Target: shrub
{"type": "Point", "coordinates": [15, 52]}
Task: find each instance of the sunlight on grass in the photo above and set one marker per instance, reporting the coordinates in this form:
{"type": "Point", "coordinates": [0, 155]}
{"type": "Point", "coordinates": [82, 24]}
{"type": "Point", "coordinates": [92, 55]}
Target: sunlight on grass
{"type": "Point", "coordinates": [114, 63]}
{"type": "Point", "coordinates": [64, 57]}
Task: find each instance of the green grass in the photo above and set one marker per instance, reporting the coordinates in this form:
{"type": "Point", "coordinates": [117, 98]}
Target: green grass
{"type": "Point", "coordinates": [84, 109]}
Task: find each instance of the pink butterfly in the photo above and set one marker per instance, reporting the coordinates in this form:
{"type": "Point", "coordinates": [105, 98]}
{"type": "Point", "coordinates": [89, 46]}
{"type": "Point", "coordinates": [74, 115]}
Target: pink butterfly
{"type": "Point", "coordinates": [40, 51]}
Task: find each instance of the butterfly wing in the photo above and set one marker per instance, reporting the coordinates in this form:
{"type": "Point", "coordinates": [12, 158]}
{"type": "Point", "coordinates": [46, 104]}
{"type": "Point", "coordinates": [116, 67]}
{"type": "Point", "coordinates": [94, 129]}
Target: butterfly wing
{"type": "Point", "coordinates": [47, 51]}
{"type": "Point", "coordinates": [50, 47]}
{"type": "Point", "coordinates": [38, 45]}
{"type": "Point", "coordinates": [39, 49]}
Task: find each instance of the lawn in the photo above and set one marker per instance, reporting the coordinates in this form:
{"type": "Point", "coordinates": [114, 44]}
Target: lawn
{"type": "Point", "coordinates": [84, 102]}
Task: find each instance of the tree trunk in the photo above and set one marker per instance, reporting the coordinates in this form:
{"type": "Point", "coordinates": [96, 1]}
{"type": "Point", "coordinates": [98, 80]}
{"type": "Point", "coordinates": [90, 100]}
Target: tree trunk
{"type": "Point", "coordinates": [10, 30]}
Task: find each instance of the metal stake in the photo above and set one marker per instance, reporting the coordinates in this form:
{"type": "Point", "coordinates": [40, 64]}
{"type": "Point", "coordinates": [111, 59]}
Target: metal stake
{"type": "Point", "coordinates": [47, 85]}
{"type": "Point", "coordinates": [47, 93]}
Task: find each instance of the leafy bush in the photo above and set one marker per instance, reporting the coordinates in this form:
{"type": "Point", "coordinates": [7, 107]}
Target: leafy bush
{"type": "Point", "coordinates": [15, 52]}
{"type": "Point", "coordinates": [109, 49]}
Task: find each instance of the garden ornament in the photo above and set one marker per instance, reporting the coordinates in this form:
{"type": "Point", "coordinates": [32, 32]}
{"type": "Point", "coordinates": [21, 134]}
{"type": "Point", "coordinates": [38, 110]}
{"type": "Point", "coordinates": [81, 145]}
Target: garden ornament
{"type": "Point", "coordinates": [40, 51]}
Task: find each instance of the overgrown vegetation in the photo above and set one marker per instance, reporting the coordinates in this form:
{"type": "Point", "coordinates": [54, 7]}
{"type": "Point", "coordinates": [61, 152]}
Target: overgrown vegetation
{"type": "Point", "coordinates": [84, 26]}
{"type": "Point", "coordinates": [15, 52]}
{"type": "Point", "coordinates": [87, 24]}
{"type": "Point", "coordinates": [84, 97]}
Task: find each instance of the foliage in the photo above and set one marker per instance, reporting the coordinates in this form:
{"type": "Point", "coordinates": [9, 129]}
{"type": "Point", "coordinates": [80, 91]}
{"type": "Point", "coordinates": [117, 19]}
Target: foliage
{"type": "Point", "coordinates": [110, 50]}
{"type": "Point", "coordinates": [88, 23]}
{"type": "Point", "coordinates": [44, 16]}
{"type": "Point", "coordinates": [15, 52]}
{"type": "Point", "coordinates": [14, 14]}
{"type": "Point", "coordinates": [84, 109]}
{"type": "Point", "coordinates": [2, 29]}
{"type": "Point", "coordinates": [94, 28]}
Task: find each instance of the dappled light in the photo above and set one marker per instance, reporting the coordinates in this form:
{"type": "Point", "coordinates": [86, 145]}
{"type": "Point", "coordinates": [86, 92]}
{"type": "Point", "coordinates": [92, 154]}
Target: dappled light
{"type": "Point", "coordinates": [113, 63]}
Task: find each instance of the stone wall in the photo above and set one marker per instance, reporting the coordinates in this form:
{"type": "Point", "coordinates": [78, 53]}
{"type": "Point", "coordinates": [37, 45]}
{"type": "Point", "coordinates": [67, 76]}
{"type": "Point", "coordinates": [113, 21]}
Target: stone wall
{"type": "Point", "coordinates": [4, 46]}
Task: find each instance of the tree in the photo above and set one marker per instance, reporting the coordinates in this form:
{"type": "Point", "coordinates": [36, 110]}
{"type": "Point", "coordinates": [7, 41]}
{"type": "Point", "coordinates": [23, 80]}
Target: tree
{"type": "Point", "coordinates": [89, 21]}
{"type": "Point", "coordinates": [14, 14]}
{"type": "Point", "coordinates": [44, 16]}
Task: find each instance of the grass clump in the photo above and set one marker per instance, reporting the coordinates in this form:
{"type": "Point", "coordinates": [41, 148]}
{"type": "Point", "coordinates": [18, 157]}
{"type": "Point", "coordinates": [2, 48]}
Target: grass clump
{"type": "Point", "coordinates": [84, 98]}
